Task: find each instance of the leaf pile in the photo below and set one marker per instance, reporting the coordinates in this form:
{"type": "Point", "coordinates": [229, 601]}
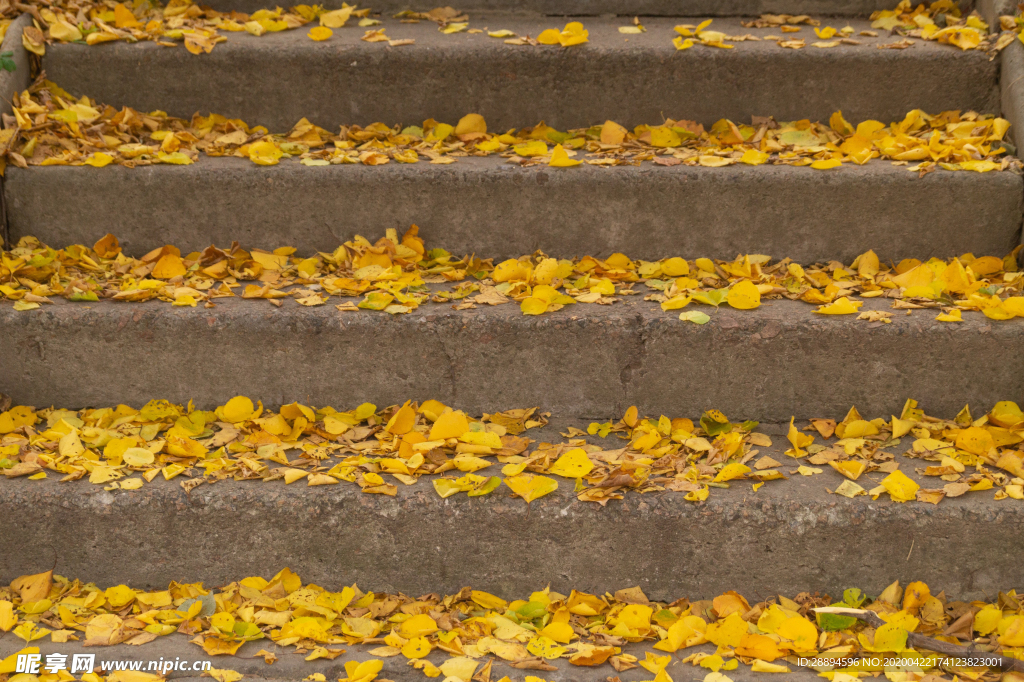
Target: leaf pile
{"type": "Point", "coordinates": [666, 454]}
{"type": "Point", "coordinates": [942, 22]}
{"type": "Point", "coordinates": [242, 441]}
{"type": "Point", "coordinates": [180, 21]}
{"type": "Point", "coordinates": [393, 275]}
{"type": "Point", "coordinates": [477, 628]}
{"type": "Point", "coordinates": [990, 444]}
{"type": "Point", "coordinates": [52, 127]}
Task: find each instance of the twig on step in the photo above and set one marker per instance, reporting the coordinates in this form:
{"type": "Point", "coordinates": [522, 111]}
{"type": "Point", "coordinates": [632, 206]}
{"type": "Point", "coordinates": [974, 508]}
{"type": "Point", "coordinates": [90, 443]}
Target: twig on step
{"type": "Point", "coordinates": [923, 642]}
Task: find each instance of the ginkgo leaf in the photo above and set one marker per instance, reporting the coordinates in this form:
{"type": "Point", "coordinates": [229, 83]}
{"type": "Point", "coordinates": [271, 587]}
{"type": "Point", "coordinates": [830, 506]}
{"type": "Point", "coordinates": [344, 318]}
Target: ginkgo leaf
{"type": "Point", "coordinates": [573, 464]}
{"type": "Point", "coordinates": [530, 487]}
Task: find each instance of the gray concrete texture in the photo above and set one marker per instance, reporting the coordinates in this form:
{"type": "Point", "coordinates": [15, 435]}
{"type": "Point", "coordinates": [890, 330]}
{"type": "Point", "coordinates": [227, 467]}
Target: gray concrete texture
{"type": "Point", "coordinates": [673, 8]}
{"type": "Point", "coordinates": [292, 666]}
{"type": "Point", "coordinates": [1012, 87]}
{"type": "Point", "coordinates": [495, 209]}
{"type": "Point", "coordinates": [275, 80]}
{"type": "Point", "coordinates": [788, 537]}
{"type": "Point", "coordinates": [775, 362]}
{"type": "Point", "coordinates": [19, 79]}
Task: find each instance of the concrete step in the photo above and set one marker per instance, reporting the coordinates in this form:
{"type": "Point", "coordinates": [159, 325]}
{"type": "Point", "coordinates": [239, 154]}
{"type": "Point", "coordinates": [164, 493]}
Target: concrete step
{"type": "Point", "coordinates": [585, 360]}
{"type": "Point", "coordinates": [294, 668]}
{"type": "Point", "coordinates": [492, 208]}
{"type": "Point", "coordinates": [789, 536]}
{"type": "Point", "coordinates": [275, 80]}
{"type": "Point", "coordinates": [671, 8]}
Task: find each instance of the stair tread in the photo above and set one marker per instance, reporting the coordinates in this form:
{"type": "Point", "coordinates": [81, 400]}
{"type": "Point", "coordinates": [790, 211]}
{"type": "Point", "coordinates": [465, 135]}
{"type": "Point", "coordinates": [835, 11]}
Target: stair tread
{"type": "Point", "coordinates": [418, 542]}
{"type": "Point", "coordinates": [276, 79]}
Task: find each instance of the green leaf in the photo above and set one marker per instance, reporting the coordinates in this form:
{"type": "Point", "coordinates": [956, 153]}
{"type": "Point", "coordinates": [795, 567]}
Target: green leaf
{"type": "Point", "coordinates": [714, 297]}
{"type": "Point", "coordinates": [84, 296]}
{"type": "Point", "coordinates": [695, 316]}
{"type": "Point", "coordinates": [853, 597]}
{"type": "Point", "coordinates": [492, 483]}
{"type": "Point", "coordinates": [833, 622]}
{"type": "Point", "coordinates": [712, 427]}
{"type": "Point", "coordinates": [530, 610]}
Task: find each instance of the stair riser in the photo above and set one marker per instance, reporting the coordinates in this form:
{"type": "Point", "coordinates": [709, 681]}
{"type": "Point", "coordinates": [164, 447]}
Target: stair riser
{"type": "Point", "coordinates": [419, 543]}
{"type": "Point", "coordinates": [671, 8]}
{"type": "Point", "coordinates": [584, 361]}
{"type": "Point", "coordinates": [494, 209]}
{"type": "Point", "coordinates": [275, 81]}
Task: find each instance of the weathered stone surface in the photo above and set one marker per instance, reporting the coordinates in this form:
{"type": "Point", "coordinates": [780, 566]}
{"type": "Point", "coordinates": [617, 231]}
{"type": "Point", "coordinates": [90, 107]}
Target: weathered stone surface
{"type": "Point", "coordinates": [630, 8]}
{"type": "Point", "coordinates": [494, 209]}
{"type": "Point", "coordinates": [787, 537]}
{"type": "Point", "coordinates": [275, 80]}
{"type": "Point", "coordinates": [582, 361]}
{"type": "Point", "coordinates": [293, 667]}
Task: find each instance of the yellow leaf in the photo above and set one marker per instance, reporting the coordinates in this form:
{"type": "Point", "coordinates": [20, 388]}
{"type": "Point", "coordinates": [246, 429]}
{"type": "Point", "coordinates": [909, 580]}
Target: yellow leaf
{"type": "Point", "coordinates": [890, 637]}
{"type": "Point", "coordinates": [573, 464]}
{"type": "Point", "coordinates": [449, 425]}
{"type": "Point", "coordinates": [533, 306]}
{"type": "Point", "coordinates": [842, 306]}
{"type": "Point", "coordinates": [612, 133]}
{"type": "Point", "coordinates": [417, 647]}
{"type": "Point", "coordinates": [223, 675]}
{"type": "Point", "coordinates": [682, 44]}
{"type": "Point", "coordinates": [402, 421]}
{"type": "Point", "coordinates": [826, 164]}
{"type": "Point", "coordinates": [551, 36]}
{"type": "Point", "coordinates": [319, 33]}
{"type": "Point", "coordinates": [952, 316]}
{"type": "Point", "coordinates": [662, 136]}
{"type": "Point", "coordinates": [713, 161]}
{"type": "Point", "coordinates": [754, 157]}
{"type": "Point", "coordinates": [471, 123]}
{"type": "Point", "coordinates": [461, 668]}
{"type": "Point", "coordinates": [685, 632]}
{"type": "Point", "coordinates": [238, 409]}
{"type": "Point", "coordinates": [728, 473]}
{"type": "Point", "coordinates": [744, 295]}
{"type": "Point", "coordinates": [530, 487]}
{"type": "Point", "coordinates": [727, 632]}
{"type": "Point", "coordinates": [169, 266]}
{"type": "Point", "coordinates": [265, 153]}
{"type": "Point", "coordinates": [418, 626]}
{"type": "Point", "coordinates": [33, 587]}
{"type": "Point", "coordinates": [900, 487]}
{"type": "Point", "coordinates": [797, 439]}
{"type": "Point", "coordinates": [336, 18]}
{"type": "Point", "coordinates": [99, 160]}
{"type": "Point", "coordinates": [65, 31]}
{"type": "Point", "coordinates": [531, 148]}
{"type": "Point", "coordinates": [801, 633]}
{"type": "Point", "coordinates": [545, 648]}
{"type": "Point", "coordinates": [488, 601]}
{"type": "Point", "coordinates": [851, 469]}
{"type": "Point", "coordinates": [975, 440]}
{"type": "Point", "coordinates": [559, 632]}
{"type": "Point", "coordinates": [560, 158]}
{"type": "Point", "coordinates": [7, 618]}
{"type": "Point", "coordinates": [760, 647]}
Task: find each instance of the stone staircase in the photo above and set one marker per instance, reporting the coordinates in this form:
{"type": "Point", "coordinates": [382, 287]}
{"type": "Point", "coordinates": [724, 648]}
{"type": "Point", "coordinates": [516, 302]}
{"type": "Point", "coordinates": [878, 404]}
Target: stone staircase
{"type": "Point", "coordinates": [583, 363]}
